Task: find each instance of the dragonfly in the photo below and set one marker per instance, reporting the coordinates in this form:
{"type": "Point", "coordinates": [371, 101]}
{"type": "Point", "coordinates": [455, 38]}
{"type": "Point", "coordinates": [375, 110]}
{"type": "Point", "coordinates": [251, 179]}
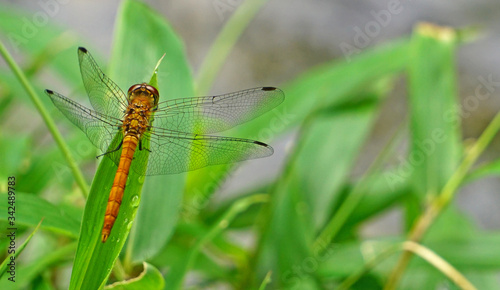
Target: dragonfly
{"type": "Point", "coordinates": [171, 136]}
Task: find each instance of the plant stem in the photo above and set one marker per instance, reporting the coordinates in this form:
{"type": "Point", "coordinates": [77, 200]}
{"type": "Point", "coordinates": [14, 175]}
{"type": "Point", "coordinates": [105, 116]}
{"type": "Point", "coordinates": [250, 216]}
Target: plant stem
{"type": "Point", "coordinates": [119, 271]}
{"type": "Point", "coordinates": [47, 119]}
{"type": "Point", "coordinates": [443, 199]}
{"type": "Point", "coordinates": [266, 281]}
{"type": "Point", "coordinates": [440, 264]}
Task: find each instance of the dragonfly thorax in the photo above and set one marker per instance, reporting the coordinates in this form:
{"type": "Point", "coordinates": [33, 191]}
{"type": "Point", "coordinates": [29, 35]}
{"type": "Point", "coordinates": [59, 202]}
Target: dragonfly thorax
{"type": "Point", "coordinates": [136, 121]}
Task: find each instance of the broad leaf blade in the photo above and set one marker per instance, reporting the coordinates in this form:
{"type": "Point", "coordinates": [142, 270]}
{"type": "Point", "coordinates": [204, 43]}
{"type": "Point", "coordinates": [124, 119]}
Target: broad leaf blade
{"type": "Point", "coordinates": [309, 188]}
{"type": "Point", "coordinates": [34, 209]}
{"type": "Point", "coordinates": [18, 250]}
{"type": "Point", "coordinates": [94, 259]}
{"type": "Point", "coordinates": [27, 272]}
{"type": "Point", "coordinates": [435, 134]}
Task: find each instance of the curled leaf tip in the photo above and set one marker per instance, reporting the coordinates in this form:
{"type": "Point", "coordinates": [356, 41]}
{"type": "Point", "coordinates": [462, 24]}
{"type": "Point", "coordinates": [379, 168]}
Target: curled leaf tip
{"type": "Point", "coordinates": [443, 33]}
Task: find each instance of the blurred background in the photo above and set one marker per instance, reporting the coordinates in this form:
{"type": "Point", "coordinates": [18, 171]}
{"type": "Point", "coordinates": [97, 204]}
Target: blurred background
{"type": "Point", "coordinates": [289, 37]}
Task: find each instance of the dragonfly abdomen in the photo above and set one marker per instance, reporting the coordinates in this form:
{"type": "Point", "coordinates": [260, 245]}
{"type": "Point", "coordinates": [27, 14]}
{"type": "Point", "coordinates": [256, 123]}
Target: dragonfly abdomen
{"type": "Point", "coordinates": [116, 194]}
{"type": "Point", "coordinates": [134, 125]}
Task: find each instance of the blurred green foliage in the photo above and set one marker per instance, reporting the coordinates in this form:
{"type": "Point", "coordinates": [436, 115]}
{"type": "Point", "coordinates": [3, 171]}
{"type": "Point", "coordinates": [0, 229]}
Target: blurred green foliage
{"type": "Point", "coordinates": [305, 223]}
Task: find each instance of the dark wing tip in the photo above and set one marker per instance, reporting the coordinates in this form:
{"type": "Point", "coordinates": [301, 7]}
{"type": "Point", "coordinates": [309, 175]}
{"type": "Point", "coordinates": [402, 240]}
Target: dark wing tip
{"type": "Point", "coordinates": [82, 49]}
{"type": "Point", "coordinates": [271, 150]}
{"type": "Point", "coordinates": [277, 92]}
{"type": "Point", "coordinates": [50, 92]}
{"type": "Point", "coordinates": [260, 143]}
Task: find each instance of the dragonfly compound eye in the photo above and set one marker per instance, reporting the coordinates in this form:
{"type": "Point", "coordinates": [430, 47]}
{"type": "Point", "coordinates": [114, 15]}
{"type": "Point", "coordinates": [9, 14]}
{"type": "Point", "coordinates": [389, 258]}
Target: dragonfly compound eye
{"type": "Point", "coordinates": [154, 92]}
{"type": "Point", "coordinates": [133, 88]}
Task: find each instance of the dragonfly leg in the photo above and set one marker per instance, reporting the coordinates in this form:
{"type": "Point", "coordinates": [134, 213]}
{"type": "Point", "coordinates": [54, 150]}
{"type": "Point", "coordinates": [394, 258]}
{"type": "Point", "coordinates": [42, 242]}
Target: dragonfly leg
{"type": "Point", "coordinates": [114, 150]}
{"type": "Point", "coordinates": [140, 146]}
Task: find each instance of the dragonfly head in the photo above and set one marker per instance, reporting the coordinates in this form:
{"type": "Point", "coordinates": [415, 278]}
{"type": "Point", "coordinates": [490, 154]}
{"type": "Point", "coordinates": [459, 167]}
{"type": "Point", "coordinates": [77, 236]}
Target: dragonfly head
{"type": "Point", "coordinates": [144, 90]}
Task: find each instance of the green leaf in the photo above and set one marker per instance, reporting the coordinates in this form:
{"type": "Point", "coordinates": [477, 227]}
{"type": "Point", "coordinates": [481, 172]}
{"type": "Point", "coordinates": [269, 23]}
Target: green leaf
{"type": "Point", "coordinates": [380, 194]}
{"type": "Point", "coordinates": [483, 280]}
{"type": "Point", "coordinates": [34, 208]}
{"type": "Point", "coordinates": [154, 79]}
{"type": "Point", "coordinates": [242, 221]}
{"type": "Point", "coordinates": [27, 272]}
{"type": "Point", "coordinates": [47, 42]}
{"type": "Point", "coordinates": [225, 41]}
{"type": "Point", "coordinates": [434, 124]}
{"type": "Point", "coordinates": [303, 196]}
{"type": "Point", "coordinates": [266, 281]}
{"type": "Point", "coordinates": [488, 170]}
{"type": "Point", "coordinates": [13, 149]}
{"type": "Point", "coordinates": [48, 167]}
{"type": "Point", "coordinates": [11, 259]}
{"type": "Point", "coordinates": [176, 275]}
{"type": "Point", "coordinates": [94, 259]}
{"type": "Point", "coordinates": [47, 118]}
{"type": "Point", "coordinates": [341, 260]}
{"type": "Point", "coordinates": [470, 250]}
{"type": "Point", "coordinates": [149, 278]}
{"type": "Point", "coordinates": [131, 63]}
{"type": "Point", "coordinates": [178, 250]}
{"type": "Point", "coordinates": [473, 253]}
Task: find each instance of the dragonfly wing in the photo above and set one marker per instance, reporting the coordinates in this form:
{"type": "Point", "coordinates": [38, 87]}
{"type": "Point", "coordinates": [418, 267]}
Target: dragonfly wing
{"type": "Point", "coordinates": [105, 96]}
{"type": "Point", "coordinates": [172, 152]}
{"type": "Point", "coordinates": [100, 129]}
{"type": "Point", "coordinates": [212, 114]}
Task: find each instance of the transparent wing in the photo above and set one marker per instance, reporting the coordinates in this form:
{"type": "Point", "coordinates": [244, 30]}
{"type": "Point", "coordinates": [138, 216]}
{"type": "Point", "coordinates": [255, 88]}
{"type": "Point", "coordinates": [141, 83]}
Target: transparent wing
{"type": "Point", "coordinates": [99, 128]}
{"type": "Point", "coordinates": [105, 96]}
{"type": "Point", "coordinates": [169, 152]}
{"type": "Point", "coordinates": [216, 113]}
{"type": "Point", "coordinates": [172, 152]}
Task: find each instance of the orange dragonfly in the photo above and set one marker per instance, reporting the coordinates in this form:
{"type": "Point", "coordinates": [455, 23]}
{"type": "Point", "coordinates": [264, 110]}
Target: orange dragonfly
{"type": "Point", "coordinates": [169, 134]}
